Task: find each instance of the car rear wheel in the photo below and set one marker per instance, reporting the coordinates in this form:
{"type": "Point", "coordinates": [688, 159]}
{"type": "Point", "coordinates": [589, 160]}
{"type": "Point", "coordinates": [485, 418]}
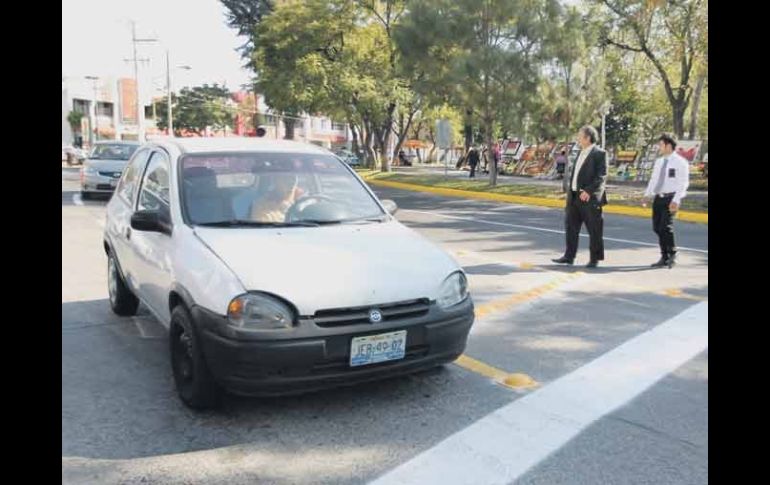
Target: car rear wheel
{"type": "Point", "coordinates": [122, 301]}
{"type": "Point", "coordinates": [194, 382]}
{"type": "Point", "coordinates": [85, 195]}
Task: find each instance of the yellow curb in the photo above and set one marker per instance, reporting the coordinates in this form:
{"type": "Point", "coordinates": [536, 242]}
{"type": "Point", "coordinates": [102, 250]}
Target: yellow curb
{"type": "Point", "coordinates": [677, 293]}
{"type": "Point", "coordinates": [698, 217]}
{"type": "Point", "coordinates": [519, 381]}
{"type": "Point", "coordinates": [513, 381]}
{"type": "Point", "coordinates": [517, 298]}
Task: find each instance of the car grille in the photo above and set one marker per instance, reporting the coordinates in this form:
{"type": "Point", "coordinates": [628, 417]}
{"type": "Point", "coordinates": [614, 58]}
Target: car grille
{"type": "Point", "coordinates": [391, 312]}
{"type": "Point", "coordinates": [110, 174]}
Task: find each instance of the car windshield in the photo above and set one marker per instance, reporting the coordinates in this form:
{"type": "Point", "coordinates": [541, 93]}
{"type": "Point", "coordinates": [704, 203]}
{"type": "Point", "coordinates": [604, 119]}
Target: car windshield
{"type": "Point", "coordinates": [272, 189]}
{"type": "Point", "coordinates": [116, 151]}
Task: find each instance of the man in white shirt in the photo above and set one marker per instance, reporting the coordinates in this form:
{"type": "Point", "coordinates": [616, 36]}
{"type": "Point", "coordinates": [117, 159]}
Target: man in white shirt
{"type": "Point", "coordinates": [668, 185]}
{"type": "Point", "coordinates": [585, 185]}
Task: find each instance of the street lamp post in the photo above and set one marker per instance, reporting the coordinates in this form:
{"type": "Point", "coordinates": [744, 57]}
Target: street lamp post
{"type": "Point", "coordinates": [170, 118]}
{"type": "Point", "coordinates": [94, 135]}
{"type": "Point", "coordinates": [605, 110]}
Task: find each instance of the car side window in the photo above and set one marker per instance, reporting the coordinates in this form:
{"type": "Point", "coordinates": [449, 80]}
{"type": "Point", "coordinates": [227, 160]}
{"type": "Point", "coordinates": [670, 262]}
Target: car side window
{"type": "Point", "coordinates": [130, 179]}
{"type": "Point", "coordinates": [154, 194]}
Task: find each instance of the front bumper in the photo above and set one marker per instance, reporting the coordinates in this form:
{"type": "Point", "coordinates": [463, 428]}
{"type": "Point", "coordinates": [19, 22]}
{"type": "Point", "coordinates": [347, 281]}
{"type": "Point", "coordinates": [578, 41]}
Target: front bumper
{"type": "Point", "coordinates": [309, 357]}
{"type": "Point", "coordinates": [98, 183]}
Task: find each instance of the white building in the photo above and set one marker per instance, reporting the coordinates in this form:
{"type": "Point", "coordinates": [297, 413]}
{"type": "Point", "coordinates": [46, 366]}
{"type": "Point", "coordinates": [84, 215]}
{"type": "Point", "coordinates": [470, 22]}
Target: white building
{"type": "Point", "coordinates": [112, 117]}
{"type": "Point", "coordinates": [320, 130]}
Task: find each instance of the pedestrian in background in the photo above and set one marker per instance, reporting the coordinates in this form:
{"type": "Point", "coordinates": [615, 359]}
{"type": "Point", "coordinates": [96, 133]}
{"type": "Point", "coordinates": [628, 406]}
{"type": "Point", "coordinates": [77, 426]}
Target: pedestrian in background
{"type": "Point", "coordinates": [561, 164]}
{"type": "Point", "coordinates": [473, 161]}
{"type": "Point", "coordinates": [668, 185]}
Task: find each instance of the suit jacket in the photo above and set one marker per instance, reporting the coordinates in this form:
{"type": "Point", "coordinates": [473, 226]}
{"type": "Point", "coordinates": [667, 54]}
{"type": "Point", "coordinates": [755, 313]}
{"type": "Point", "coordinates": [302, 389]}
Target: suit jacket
{"type": "Point", "coordinates": [592, 176]}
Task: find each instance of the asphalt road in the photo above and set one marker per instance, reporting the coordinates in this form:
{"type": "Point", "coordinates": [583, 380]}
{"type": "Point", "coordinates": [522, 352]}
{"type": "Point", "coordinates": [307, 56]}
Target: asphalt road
{"type": "Point", "coordinates": [122, 422]}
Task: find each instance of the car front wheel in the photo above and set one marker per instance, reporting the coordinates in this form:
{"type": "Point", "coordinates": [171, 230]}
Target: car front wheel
{"type": "Point", "coordinates": [122, 301]}
{"type": "Point", "coordinates": [194, 382]}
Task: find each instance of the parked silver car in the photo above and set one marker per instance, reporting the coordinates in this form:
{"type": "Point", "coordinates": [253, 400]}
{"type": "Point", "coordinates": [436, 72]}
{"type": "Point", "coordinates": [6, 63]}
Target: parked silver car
{"type": "Point", "coordinates": [103, 167]}
{"type": "Point", "coordinates": [349, 157]}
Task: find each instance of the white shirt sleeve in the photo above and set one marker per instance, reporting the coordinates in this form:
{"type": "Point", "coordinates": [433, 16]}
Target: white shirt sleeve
{"type": "Point", "coordinates": [653, 178]}
{"type": "Point", "coordinates": [682, 181]}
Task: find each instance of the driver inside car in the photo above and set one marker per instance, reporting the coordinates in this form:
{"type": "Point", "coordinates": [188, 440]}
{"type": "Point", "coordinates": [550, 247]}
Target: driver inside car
{"type": "Point", "coordinates": [280, 196]}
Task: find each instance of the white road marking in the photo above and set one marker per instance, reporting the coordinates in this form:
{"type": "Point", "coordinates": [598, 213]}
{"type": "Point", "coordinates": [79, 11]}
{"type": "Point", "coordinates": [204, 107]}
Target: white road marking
{"type": "Point", "coordinates": [504, 445]}
{"type": "Point", "coordinates": [76, 199]}
{"type": "Point", "coordinates": [543, 229]}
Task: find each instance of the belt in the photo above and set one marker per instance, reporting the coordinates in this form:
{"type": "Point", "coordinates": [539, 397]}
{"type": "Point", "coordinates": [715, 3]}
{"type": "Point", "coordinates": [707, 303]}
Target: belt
{"type": "Point", "coordinates": [669, 194]}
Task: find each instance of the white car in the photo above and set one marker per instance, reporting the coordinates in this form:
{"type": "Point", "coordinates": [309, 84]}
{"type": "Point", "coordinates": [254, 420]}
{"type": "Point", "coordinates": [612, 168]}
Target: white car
{"type": "Point", "coordinates": [276, 270]}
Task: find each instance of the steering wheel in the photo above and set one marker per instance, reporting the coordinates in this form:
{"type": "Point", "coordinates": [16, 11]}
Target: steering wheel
{"type": "Point", "coordinates": [293, 213]}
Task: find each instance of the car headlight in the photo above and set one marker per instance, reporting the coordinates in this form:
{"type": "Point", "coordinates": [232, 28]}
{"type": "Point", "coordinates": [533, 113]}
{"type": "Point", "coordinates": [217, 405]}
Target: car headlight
{"type": "Point", "coordinates": [259, 312]}
{"type": "Point", "coordinates": [90, 171]}
{"type": "Point", "coordinates": [454, 290]}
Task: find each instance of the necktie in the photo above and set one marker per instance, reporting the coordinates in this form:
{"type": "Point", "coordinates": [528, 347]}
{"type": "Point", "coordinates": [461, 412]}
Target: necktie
{"type": "Point", "coordinates": [661, 177]}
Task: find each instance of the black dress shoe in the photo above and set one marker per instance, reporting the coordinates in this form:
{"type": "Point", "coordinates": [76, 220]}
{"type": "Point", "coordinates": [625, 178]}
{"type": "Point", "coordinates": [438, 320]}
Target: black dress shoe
{"type": "Point", "coordinates": [663, 261]}
{"type": "Point", "coordinates": [592, 264]}
{"type": "Point", "coordinates": [563, 260]}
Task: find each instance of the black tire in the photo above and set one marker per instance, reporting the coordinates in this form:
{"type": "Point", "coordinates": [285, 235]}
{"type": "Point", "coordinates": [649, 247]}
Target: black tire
{"type": "Point", "coordinates": [194, 383]}
{"type": "Point", "coordinates": [122, 301]}
{"type": "Point", "coordinates": [85, 195]}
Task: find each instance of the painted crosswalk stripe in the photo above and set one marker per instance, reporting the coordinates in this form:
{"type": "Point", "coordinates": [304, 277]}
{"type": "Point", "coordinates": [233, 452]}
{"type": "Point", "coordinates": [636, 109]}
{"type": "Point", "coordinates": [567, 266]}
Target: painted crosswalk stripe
{"type": "Point", "coordinates": [504, 445]}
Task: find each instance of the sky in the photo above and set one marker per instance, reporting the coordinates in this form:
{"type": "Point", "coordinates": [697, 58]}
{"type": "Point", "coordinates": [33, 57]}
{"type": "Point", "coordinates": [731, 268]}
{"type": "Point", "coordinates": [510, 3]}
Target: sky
{"type": "Point", "coordinates": [96, 38]}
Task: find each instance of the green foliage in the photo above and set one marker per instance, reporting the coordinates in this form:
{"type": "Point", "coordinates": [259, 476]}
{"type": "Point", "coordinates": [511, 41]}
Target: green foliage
{"type": "Point", "coordinates": [196, 108]}
{"type": "Point", "coordinates": [75, 118]}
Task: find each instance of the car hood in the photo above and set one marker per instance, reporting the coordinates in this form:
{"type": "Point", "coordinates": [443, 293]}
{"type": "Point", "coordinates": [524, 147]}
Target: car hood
{"type": "Point", "coordinates": [107, 165]}
{"type": "Point", "coordinates": [328, 267]}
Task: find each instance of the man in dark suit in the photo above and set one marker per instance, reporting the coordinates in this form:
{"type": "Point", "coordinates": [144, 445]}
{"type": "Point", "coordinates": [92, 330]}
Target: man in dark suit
{"type": "Point", "coordinates": [585, 187]}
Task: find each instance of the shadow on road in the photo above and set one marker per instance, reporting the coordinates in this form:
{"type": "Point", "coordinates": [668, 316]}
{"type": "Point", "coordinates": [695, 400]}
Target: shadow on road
{"type": "Point", "coordinates": [119, 401]}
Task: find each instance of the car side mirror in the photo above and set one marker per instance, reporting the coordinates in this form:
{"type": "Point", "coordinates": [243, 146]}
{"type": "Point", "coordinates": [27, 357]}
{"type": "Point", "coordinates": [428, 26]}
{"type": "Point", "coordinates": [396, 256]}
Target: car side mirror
{"type": "Point", "coordinates": [151, 221]}
{"type": "Point", "coordinates": [390, 206]}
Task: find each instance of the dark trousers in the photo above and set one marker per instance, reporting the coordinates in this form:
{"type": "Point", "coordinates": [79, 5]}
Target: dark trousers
{"type": "Point", "coordinates": [663, 224]}
{"type": "Point", "coordinates": [590, 213]}
{"type": "Point", "coordinates": [473, 170]}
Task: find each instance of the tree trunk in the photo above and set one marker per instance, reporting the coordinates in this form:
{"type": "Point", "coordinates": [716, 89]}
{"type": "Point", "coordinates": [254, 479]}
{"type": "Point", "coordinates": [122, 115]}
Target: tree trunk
{"type": "Point", "coordinates": [371, 157]}
{"type": "Point", "coordinates": [354, 147]}
{"type": "Point", "coordinates": [384, 137]}
{"type": "Point", "coordinates": [696, 105]}
{"type": "Point", "coordinates": [677, 111]}
{"type": "Point", "coordinates": [402, 135]}
{"type": "Point", "coordinates": [468, 128]}
{"type": "Point", "coordinates": [289, 124]}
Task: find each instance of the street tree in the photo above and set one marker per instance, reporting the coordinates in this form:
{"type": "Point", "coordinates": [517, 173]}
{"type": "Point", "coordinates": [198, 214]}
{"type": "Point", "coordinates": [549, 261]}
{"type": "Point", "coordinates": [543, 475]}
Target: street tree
{"type": "Point", "coordinates": [75, 120]}
{"type": "Point", "coordinates": [198, 108]}
{"type": "Point", "coordinates": [493, 49]}
{"type": "Point", "coordinates": [671, 35]}
{"type": "Point", "coordinates": [623, 117]}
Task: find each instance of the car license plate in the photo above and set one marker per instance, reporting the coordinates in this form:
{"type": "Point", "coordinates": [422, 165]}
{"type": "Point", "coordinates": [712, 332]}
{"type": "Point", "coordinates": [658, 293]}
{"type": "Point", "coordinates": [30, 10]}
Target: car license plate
{"type": "Point", "coordinates": [377, 348]}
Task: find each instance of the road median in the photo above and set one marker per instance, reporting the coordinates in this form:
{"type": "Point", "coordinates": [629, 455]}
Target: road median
{"type": "Point", "coordinates": [378, 179]}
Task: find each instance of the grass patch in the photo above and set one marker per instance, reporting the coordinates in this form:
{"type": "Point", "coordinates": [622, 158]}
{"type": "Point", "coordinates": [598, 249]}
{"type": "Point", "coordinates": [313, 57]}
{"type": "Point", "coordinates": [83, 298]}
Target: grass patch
{"type": "Point", "coordinates": [695, 204]}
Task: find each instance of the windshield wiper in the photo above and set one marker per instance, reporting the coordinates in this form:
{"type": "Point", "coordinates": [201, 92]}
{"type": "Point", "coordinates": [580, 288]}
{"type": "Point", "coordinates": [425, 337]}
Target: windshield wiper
{"type": "Point", "coordinates": [247, 223]}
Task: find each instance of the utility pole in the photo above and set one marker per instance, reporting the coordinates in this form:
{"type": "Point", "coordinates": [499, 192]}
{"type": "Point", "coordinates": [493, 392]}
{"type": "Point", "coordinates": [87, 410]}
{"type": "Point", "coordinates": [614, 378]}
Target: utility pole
{"type": "Point", "coordinates": [169, 121]}
{"type": "Point", "coordinates": [95, 127]}
{"type": "Point", "coordinates": [135, 60]}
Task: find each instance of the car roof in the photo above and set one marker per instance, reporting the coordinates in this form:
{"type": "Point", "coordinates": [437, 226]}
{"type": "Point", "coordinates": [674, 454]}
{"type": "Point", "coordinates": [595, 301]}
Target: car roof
{"type": "Point", "coordinates": [239, 144]}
